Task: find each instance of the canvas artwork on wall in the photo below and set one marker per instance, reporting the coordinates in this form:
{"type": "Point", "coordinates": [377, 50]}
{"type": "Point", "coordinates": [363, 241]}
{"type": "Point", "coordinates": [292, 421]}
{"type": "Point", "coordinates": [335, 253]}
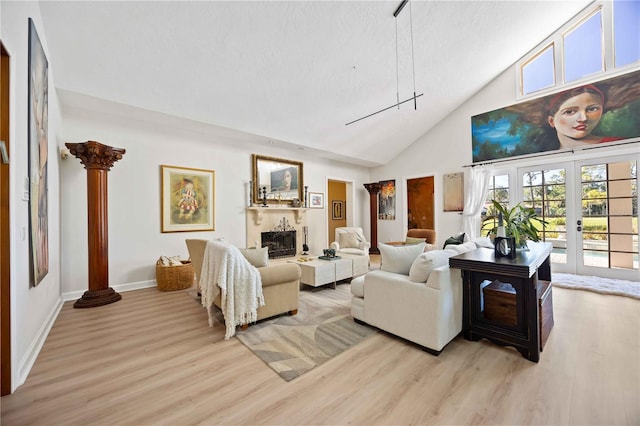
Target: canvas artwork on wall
{"type": "Point", "coordinates": [38, 158]}
{"type": "Point", "coordinates": [387, 200]}
{"type": "Point", "coordinates": [453, 192]}
{"type": "Point", "coordinates": [187, 199]}
{"type": "Point", "coordinates": [601, 112]}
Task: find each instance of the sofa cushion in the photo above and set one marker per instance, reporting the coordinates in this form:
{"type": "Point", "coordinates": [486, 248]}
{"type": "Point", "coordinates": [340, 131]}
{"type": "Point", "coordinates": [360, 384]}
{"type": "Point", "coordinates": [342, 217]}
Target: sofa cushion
{"type": "Point", "coordinates": [399, 259]}
{"type": "Point", "coordinates": [258, 257]}
{"type": "Point", "coordinates": [462, 248]}
{"type": "Point", "coordinates": [348, 240]}
{"type": "Point", "coordinates": [427, 262]}
{"type": "Point", "coordinates": [483, 242]}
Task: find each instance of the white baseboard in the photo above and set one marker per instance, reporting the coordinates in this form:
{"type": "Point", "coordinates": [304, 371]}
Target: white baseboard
{"type": "Point", "coordinates": [24, 367]}
{"type": "Point", "coordinates": [75, 295]}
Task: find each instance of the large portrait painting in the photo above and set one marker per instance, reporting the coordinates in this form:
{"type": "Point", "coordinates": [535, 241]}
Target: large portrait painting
{"type": "Point", "coordinates": [596, 113]}
{"type": "Point", "coordinates": [187, 199]}
{"type": "Point", "coordinates": [38, 149]}
{"type": "Point", "coordinates": [387, 200]}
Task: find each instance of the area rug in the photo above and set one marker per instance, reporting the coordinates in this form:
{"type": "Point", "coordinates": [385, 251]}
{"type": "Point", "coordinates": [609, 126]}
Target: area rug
{"type": "Point", "coordinates": [597, 284]}
{"type": "Point", "coordinates": [322, 329]}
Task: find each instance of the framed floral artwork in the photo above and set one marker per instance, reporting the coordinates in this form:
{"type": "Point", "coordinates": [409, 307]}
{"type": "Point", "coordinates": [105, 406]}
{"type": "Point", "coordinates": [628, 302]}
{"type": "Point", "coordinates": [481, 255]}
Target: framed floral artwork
{"type": "Point", "coordinates": [188, 199]}
{"type": "Point", "coordinates": [316, 200]}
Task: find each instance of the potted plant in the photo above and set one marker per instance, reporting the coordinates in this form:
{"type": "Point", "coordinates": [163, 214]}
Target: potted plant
{"type": "Point", "coordinates": [520, 222]}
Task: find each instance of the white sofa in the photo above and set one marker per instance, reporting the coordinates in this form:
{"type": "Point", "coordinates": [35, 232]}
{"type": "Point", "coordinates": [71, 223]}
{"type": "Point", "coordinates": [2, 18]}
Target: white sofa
{"type": "Point", "coordinates": [422, 304]}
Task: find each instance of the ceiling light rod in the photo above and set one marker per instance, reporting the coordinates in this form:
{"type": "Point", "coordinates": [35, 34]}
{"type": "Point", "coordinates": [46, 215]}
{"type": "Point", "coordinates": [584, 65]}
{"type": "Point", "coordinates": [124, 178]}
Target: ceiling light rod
{"type": "Point", "coordinates": [399, 9]}
{"type": "Point", "coordinates": [413, 98]}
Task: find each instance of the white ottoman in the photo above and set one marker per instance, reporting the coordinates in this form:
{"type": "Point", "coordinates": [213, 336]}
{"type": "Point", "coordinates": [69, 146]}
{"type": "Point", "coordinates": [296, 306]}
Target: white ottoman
{"type": "Point", "coordinates": [360, 263]}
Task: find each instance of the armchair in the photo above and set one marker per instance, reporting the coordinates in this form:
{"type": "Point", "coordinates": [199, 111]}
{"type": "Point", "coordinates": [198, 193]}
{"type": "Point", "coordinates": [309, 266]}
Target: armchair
{"type": "Point", "coordinates": [351, 243]}
{"type": "Point", "coordinates": [350, 240]}
{"type": "Point", "coordinates": [280, 282]}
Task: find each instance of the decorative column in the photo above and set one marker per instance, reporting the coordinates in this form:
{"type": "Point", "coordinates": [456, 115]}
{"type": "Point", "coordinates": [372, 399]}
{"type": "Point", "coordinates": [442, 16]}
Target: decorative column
{"type": "Point", "coordinates": [97, 159]}
{"type": "Point", "coordinates": [374, 189]}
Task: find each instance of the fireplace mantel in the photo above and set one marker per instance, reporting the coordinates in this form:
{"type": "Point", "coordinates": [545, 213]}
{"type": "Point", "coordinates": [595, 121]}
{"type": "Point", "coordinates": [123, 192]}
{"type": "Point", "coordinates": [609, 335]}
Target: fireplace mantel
{"type": "Point", "coordinates": [258, 212]}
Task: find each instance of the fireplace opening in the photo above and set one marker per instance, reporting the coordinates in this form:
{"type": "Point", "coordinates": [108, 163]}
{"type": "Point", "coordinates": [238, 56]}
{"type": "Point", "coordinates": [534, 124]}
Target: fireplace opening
{"type": "Point", "coordinates": [280, 243]}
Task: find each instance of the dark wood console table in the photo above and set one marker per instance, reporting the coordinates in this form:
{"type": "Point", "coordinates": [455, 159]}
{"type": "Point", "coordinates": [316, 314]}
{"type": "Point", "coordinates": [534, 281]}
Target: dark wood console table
{"type": "Point", "coordinates": [481, 268]}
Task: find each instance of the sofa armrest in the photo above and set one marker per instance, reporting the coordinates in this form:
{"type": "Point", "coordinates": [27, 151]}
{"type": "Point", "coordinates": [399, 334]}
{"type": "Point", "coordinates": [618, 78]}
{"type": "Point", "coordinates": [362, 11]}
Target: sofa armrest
{"type": "Point", "coordinates": [444, 277]}
{"type": "Point", "coordinates": [279, 273]}
{"type": "Point", "coordinates": [335, 245]}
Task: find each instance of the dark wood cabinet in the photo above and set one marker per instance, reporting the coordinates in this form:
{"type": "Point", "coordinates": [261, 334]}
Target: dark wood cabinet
{"type": "Point", "coordinates": [508, 301]}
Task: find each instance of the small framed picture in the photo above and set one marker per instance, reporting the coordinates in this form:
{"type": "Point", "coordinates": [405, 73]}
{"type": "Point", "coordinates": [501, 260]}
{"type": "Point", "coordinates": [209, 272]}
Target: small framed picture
{"type": "Point", "coordinates": [316, 200]}
{"type": "Point", "coordinates": [336, 211]}
{"type": "Point", "coordinates": [188, 202]}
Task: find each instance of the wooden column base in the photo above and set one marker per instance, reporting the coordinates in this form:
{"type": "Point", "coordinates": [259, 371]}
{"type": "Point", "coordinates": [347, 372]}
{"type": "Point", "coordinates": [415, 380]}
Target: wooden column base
{"type": "Point", "coordinates": [91, 299]}
{"type": "Point", "coordinates": [374, 250]}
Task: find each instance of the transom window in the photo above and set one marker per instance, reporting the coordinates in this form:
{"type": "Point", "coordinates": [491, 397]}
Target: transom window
{"type": "Point", "coordinates": [599, 40]}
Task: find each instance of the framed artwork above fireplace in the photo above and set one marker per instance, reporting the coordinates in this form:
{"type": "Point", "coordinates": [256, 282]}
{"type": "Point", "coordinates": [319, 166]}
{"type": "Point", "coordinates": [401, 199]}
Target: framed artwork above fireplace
{"type": "Point", "coordinates": [277, 180]}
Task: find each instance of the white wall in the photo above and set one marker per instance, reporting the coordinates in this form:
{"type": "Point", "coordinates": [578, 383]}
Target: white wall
{"type": "Point", "coordinates": [447, 148]}
{"type": "Point", "coordinates": [444, 149]}
{"type": "Point", "coordinates": [135, 237]}
{"type": "Point", "coordinates": [33, 309]}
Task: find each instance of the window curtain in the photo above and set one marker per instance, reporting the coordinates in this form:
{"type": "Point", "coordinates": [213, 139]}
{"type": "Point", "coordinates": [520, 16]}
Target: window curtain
{"type": "Point", "coordinates": [475, 193]}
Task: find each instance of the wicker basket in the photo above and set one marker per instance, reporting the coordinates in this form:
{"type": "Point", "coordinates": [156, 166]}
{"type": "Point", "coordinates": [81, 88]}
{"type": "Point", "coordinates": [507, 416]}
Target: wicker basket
{"type": "Point", "coordinates": [171, 278]}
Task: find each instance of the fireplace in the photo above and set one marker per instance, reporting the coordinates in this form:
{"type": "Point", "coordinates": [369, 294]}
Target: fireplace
{"type": "Point", "coordinates": [280, 243]}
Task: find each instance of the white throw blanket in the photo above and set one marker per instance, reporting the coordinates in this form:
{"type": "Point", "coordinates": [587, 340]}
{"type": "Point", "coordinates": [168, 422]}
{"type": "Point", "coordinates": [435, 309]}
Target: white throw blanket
{"type": "Point", "coordinates": [225, 270]}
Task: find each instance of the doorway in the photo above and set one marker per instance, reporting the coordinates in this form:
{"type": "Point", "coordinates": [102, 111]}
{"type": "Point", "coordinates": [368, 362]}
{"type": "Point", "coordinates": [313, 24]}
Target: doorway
{"type": "Point", "coordinates": [5, 236]}
{"type": "Point", "coordinates": [420, 206]}
{"type": "Point", "coordinates": [591, 207]}
{"type": "Point", "coordinates": [336, 207]}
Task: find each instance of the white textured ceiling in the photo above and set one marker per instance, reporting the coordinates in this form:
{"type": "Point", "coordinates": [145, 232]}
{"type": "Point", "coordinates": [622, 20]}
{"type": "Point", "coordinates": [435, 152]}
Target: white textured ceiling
{"type": "Point", "coordinates": [294, 72]}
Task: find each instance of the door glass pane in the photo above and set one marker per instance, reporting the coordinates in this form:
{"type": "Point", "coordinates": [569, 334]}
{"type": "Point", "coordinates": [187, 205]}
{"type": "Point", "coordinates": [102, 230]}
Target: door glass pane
{"type": "Point", "coordinates": [583, 49]}
{"type": "Point", "coordinates": [610, 215]}
{"type": "Point", "coordinates": [545, 192]}
{"type": "Point", "coordinates": [499, 191]}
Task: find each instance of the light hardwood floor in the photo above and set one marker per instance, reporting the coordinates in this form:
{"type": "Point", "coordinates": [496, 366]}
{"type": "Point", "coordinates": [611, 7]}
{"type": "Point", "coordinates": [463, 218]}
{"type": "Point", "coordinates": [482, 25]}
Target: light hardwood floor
{"type": "Point", "coordinates": [152, 359]}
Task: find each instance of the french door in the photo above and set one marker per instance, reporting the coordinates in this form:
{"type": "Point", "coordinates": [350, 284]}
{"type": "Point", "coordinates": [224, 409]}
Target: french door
{"type": "Point", "coordinates": [591, 207]}
{"type": "Point", "coordinates": [607, 219]}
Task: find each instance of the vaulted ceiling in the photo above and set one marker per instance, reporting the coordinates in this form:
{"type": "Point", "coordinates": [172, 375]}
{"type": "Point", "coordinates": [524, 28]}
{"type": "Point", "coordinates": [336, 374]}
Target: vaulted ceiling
{"type": "Point", "coordinates": [294, 72]}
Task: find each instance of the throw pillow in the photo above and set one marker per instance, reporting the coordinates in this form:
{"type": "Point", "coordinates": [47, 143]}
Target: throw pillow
{"type": "Point", "coordinates": [414, 240]}
{"type": "Point", "coordinates": [427, 262]}
{"type": "Point", "coordinates": [399, 259]}
{"type": "Point", "coordinates": [483, 242]}
{"type": "Point", "coordinates": [348, 240]}
{"type": "Point", "coordinates": [258, 257]}
{"type": "Point", "coordinates": [456, 239]}
{"type": "Point", "coordinates": [462, 248]}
